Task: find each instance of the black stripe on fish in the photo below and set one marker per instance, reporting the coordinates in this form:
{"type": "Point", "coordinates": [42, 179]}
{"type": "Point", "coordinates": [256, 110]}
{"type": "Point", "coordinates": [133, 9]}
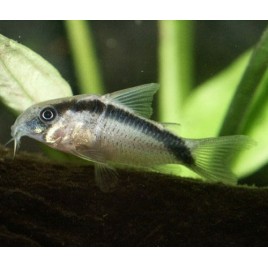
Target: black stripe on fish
{"type": "Point", "coordinates": [174, 144]}
{"type": "Point", "coordinates": [62, 107]}
{"type": "Point", "coordinates": [92, 106]}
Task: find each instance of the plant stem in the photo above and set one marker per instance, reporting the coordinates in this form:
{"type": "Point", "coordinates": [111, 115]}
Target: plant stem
{"type": "Point", "coordinates": [175, 66]}
{"type": "Point", "coordinates": [239, 108]}
{"type": "Point", "coordinates": [84, 56]}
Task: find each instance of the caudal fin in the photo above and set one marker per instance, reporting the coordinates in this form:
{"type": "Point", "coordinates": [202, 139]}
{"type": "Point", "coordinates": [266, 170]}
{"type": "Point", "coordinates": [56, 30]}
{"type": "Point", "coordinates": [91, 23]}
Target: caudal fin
{"type": "Point", "coordinates": [212, 156]}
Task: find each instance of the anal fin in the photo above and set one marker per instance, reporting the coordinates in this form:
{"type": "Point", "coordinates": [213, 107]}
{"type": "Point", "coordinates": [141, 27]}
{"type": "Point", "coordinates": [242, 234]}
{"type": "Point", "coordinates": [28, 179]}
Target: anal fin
{"type": "Point", "coordinates": [106, 177]}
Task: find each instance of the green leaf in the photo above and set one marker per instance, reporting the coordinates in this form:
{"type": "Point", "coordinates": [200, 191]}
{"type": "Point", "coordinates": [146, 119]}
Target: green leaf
{"type": "Point", "coordinates": [248, 112]}
{"type": "Point", "coordinates": [247, 88]}
{"type": "Point", "coordinates": [175, 67]}
{"type": "Point", "coordinates": [206, 107]}
{"type": "Point", "coordinates": [85, 58]}
{"type": "Point", "coordinates": [257, 128]}
{"type": "Point", "coordinates": [26, 78]}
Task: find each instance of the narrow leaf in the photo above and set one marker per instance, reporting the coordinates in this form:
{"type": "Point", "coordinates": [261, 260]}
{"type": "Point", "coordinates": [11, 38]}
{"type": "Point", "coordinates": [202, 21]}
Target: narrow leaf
{"type": "Point", "coordinates": [257, 128]}
{"type": "Point", "coordinates": [175, 67]}
{"type": "Point", "coordinates": [237, 112]}
{"type": "Point", "coordinates": [26, 78]}
{"type": "Point", "coordinates": [84, 56]}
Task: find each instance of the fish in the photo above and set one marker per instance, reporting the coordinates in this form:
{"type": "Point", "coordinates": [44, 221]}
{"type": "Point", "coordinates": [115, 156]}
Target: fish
{"type": "Point", "coordinates": [116, 129]}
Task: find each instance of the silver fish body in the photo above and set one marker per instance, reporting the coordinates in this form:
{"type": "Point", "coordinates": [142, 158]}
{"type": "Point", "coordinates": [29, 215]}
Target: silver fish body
{"type": "Point", "coordinates": [116, 129]}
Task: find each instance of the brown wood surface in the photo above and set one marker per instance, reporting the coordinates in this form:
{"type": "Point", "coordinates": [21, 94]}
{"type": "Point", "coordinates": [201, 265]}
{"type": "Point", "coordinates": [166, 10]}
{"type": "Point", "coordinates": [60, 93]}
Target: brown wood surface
{"type": "Point", "coordinates": [47, 204]}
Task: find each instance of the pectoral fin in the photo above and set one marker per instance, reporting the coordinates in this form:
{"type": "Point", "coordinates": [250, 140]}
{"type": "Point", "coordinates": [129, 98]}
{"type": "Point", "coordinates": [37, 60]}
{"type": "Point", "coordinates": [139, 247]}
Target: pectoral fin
{"type": "Point", "coordinates": [89, 154]}
{"type": "Point", "coordinates": [105, 177]}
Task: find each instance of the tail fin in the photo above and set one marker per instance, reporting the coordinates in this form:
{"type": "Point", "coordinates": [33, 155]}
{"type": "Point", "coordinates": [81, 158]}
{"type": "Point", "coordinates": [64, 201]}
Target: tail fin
{"type": "Point", "coordinates": [212, 156]}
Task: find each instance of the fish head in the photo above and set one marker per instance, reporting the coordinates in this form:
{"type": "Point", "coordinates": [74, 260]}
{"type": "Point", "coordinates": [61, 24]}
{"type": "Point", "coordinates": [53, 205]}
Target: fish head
{"type": "Point", "coordinates": [34, 122]}
{"type": "Point", "coordinates": [61, 123]}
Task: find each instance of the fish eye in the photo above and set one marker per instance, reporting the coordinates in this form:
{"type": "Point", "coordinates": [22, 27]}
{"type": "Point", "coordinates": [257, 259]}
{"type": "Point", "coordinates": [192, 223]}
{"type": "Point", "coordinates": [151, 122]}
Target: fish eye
{"type": "Point", "coordinates": [48, 114]}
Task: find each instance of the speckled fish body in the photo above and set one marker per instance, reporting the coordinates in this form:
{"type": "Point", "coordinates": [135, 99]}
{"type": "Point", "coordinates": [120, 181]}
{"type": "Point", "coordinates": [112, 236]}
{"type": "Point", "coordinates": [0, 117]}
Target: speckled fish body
{"type": "Point", "coordinates": [116, 129]}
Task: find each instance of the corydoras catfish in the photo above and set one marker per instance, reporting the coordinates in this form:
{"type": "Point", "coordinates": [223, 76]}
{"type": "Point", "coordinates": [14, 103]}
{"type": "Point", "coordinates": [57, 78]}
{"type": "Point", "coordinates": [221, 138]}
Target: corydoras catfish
{"type": "Point", "coordinates": [115, 129]}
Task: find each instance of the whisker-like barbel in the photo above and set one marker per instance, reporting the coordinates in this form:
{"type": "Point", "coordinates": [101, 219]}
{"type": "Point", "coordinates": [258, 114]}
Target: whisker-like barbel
{"type": "Point", "coordinates": [11, 140]}
{"type": "Point", "coordinates": [16, 145]}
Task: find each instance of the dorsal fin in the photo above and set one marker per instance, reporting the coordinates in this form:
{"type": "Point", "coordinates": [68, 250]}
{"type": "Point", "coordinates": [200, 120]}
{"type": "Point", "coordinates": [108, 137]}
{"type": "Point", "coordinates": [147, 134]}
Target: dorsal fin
{"type": "Point", "coordinates": [138, 99]}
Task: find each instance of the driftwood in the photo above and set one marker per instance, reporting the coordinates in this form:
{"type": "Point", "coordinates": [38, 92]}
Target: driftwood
{"type": "Point", "coordinates": [48, 204]}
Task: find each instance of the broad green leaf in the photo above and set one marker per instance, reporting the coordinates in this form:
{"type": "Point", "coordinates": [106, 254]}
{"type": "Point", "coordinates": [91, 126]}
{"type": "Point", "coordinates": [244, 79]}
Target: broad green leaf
{"type": "Point", "coordinates": [206, 107]}
{"type": "Point", "coordinates": [248, 112]}
{"type": "Point", "coordinates": [256, 127]}
{"type": "Point", "coordinates": [26, 78]}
